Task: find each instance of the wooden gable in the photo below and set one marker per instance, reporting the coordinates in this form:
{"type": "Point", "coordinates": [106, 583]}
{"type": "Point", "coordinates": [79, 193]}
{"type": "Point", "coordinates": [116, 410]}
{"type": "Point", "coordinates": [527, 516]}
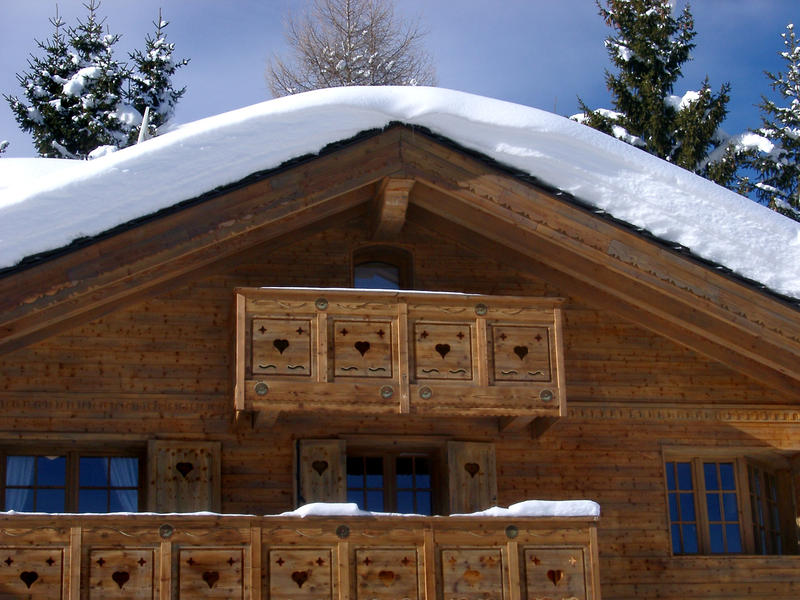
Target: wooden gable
{"type": "Point", "coordinates": [457, 195]}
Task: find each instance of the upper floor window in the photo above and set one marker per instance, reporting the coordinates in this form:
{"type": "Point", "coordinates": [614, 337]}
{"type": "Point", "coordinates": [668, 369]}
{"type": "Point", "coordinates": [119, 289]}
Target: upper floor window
{"type": "Point", "coordinates": [382, 268]}
{"type": "Point", "coordinates": [725, 507]}
{"type": "Point", "coordinates": [71, 482]}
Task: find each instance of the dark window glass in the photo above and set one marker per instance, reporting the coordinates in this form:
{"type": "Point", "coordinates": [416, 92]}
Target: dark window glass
{"type": "Point", "coordinates": [391, 483]}
{"type": "Point", "coordinates": [376, 276]}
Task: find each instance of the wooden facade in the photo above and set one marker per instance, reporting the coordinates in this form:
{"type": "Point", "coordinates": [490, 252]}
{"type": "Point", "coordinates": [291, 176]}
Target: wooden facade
{"type": "Point", "coordinates": [146, 344]}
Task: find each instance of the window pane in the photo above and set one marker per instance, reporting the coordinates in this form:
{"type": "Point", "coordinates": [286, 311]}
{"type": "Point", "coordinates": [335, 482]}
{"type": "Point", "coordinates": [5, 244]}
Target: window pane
{"type": "Point", "coordinates": [95, 501]}
{"type": "Point", "coordinates": [676, 539]}
{"type": "Point", "coordinates": [712, 503]}
{"type": "Point", "coordinates": [405, 472]}
{"type": "Point", "coordinates": [376, 276]}
{"type": "Point", "coordinates": [124, 471]}
{"type": "Point", "coordinates": [405, 502]}
{"type": "Point", "coordinates": [715, 537]}
{"type": "Point", "coordinates": [51, 470]}
{"type": "Point", "coordinates": [670, 475]}
{"type": "Point", "coordinates": [710, 473]}
{"type": "Point", "coordinates": [729, 503]}
{"type": "Point", "coordinates": [49, 500]}
{"type": "Point", "coordinates": [19, 499]}
{"type": "Point", "coordinates": [93, 472]}
{"type": "Point", "coordinates": [374, 469]}
{"type": "Point", "coordinates": [687, 507]}
{"type": "Point", "coordinates": [123, 501]}
{"type": "Point", "coordinates": [733, 537]}
{"type": "Point", "coordinates": [357, 497]}
{"type": "Point", "coordinates": [375, 501]}
{"type": "Point", "coordinates": [19, 470]}
{"type": "Point", "coordinates": [355, 465]}
{"type": "Point", "coordinates": [726, 474]}
{"type": "Point", "coordinates": [685, 476]}
{"type": "Point", "coordinates": [424, 503]}
{"type": "Point", "coordinates": [689, 538]}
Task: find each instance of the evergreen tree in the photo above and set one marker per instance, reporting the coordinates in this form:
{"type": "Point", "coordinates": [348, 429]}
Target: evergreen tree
{"type": "Point", "coordinates": [778, 165]}
{"type": "Point", "coordinates": [78, 97]}
{"type": "Point", "coordinates": [151, 81]}
{"type": "Point", "coordinates": [3, 146]}
{"type": "Point", "coordinates": [649, 47]}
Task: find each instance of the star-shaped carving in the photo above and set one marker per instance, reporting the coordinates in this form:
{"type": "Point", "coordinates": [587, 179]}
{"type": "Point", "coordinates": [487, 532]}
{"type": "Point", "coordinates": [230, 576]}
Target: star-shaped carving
{"type": "Point", "coordinates": [572, 561]}
{"type": "Point", "coordinates": [300, 331]}
{"type": "Point", "coordinates": [538, 338]}
{"type": "Point", "coordinates": [319, 561]}
{"type": "Point", "coordinates": [405, 561]}
{"type": "Point", "coordinates": [280, 561]}
{"type": "Point", "coordinates": [231, 561]}
{"type": "Point", "coordinates": [460, 335]}
{"type": "Point", "coordinates": [263, 329]}
{"type": "Point", "coordinates": [50, 561]}
{"type": "Point", "coordinates": [503, 336]}
{"type": "Point", "coordinates": [8, 561]}
{"type": "Point", "coordinates": [190, 562]}
{"type": "Point", "coordinates": [141, 562]}
{"type": "Point", "coordinates": [367, 561]}
{"type": "Point", "coordinates": [381, 333]}
{"type": "Point", "coordinates": [100, 561]}
{"type": "Point", "coordinates": [535, 560]}
{"type": "Point", "coordinates": [344, 331]}
{"type": "Point", "coordinates": [423, 335]}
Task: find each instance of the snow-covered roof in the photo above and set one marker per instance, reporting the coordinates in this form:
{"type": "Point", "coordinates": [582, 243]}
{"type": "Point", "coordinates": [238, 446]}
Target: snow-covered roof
{"type": "Point", "coordinates": [46, 204]}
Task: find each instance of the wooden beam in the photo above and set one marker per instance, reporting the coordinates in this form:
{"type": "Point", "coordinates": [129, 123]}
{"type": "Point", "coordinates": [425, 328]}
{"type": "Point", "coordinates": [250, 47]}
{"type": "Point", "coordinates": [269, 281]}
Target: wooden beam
{"type": "Point", "coordinates": [514, 423]}
{"type": "Point", "coordinates": [389, 208]}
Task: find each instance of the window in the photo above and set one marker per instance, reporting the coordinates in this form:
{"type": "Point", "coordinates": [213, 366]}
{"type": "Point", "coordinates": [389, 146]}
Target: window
{"type": "Point", "coordinates": [71, 482]}
{"type": "Point", "coordinates": [382, 268]}
{"type": "Point", "coordinates": [391, 483]}
{"type": "Point", "coordinates": [728, 506]}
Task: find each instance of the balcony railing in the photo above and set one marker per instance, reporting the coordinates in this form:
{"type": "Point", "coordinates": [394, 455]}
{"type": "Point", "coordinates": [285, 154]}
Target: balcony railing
{"type": "Point", "coordinates": [374, 352]}
{"type": "Point", "coordinates": [250, 558]}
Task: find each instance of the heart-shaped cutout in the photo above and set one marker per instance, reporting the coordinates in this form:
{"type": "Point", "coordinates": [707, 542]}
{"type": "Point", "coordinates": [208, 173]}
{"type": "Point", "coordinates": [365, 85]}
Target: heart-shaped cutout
{"type": "Point", "coordinates": [120, 578]}
{"type": "Point", "coordinates": [472, 469]}
{"type": "Point", "coordinates": [471, 576]}
{"type": "Point", "coordinates": [362, 347]}
{"type": "Point", "coordinates": [386, 577]}
{"type": "Point", "coordinates": [184, 468]}
{"type": "Point", "coordinates": [28, 577]}
{"type": "Point", "coordinates": [211, 577]}
{"type": "Point", "coordinates": [555, 576]}
{"type": "Point", "coordinates": [300, 577]}
{"type": "Point", "coordinates": [442, 349]}
{"type": "Point", "coordinates": [280, 345]}
{"type": "Point", "coordinates": [320, 466]}
{"type": "Point", "coordinates": [521, 351]}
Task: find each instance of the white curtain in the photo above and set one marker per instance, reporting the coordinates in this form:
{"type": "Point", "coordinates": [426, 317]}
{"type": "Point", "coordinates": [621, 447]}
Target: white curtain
{"type": "Point", "coordinates": [125, 474]}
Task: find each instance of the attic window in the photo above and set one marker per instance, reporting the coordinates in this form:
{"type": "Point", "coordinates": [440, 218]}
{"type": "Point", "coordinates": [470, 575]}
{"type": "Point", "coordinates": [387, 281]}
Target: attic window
{"type": "Point", "coordinates": [382, 268]}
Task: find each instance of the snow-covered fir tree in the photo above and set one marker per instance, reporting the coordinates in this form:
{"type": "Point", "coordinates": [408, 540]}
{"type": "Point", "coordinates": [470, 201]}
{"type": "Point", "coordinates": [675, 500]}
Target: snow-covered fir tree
{"type": "Point", "coordinates": [350, 42]}
{"type": "Point", "coordinates": [3, 146]}
{"type": "Point", "coordinates": [80, 101]}
{"type": "Point", "coordinates": [777, 181]}
{"type": "Point", "coordinates": [151, 80]}
{"type": "Point", "coordinates": [649, 47]}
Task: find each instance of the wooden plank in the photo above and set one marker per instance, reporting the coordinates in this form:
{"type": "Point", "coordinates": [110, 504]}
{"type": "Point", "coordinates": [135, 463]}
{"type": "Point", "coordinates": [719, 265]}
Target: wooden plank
{"type": "Point", "coordinates": [74, 571]}
{"type": "Point", "coordinates": [389, 207]}
{"type": "Point", "coordinates": [239, 354]}
{"type": "Point", "coordinates": [402, 361]}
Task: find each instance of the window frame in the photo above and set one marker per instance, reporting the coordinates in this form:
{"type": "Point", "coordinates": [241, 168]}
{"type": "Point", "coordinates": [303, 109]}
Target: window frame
{"type": "Point", "coordinates": [396, 256]}
{"type": "Point", "coordinates": [72, 457]}
{"type": "Point", "coordinates": [742, 466]}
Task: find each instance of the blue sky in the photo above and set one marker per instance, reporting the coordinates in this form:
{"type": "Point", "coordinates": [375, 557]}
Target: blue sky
{"type": "Point", "coordinates": [540, 53]}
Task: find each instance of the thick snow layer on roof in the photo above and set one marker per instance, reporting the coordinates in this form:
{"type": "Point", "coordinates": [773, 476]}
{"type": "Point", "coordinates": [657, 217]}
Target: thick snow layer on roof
{"type": "Point", "coordinates": [39, 213]}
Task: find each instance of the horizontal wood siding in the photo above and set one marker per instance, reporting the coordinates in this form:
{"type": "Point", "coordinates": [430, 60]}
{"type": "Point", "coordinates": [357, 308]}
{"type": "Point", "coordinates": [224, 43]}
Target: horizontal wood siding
{"type": "Point", "coordinates": [162, 369]}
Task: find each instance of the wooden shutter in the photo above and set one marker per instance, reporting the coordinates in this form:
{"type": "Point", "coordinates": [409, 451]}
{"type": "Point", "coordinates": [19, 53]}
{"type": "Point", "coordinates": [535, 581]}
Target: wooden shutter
{"type": "Point", "coordinates": [183, 476]}
{"type": "Point", "coordinates": [321, 471]}
{"type": "Point", "coordinates": [471, 475]}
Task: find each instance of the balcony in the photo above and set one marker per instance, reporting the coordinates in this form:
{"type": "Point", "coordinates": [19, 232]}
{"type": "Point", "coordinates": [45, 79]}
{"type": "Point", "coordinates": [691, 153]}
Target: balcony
{"type": "Point", "coordinates": [246, 557]}
{"type": "Point", "coordinates": [375, 352]}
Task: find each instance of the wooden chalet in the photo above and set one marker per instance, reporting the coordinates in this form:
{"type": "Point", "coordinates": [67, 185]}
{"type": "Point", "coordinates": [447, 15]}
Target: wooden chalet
{"type": "Point", "coordinates": [230, 357]}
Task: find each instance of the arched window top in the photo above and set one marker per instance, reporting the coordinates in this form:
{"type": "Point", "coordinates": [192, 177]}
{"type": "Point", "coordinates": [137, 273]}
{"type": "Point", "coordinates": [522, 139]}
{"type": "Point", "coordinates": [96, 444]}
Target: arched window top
{"type": "Point", "coordinates": [382, 268]}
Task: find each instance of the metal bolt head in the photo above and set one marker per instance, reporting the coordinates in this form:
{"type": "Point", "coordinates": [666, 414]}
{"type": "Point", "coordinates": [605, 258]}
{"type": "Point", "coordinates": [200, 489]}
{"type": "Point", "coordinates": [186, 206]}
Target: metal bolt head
{"type": "Point", "coordinates": [425, 393]}
{"type": "Point", "coordinates": [166, 531]}
{"type": "Point", "coordinates": [512, 531]}
{"type": "Point", "coordinates": [481, 309]}
{"type": "Point", "coordinates": [546, 395]}
{"type": "Point", "coordinates": [343, 531]}
{"type": "Point", "coordinates": [387, 392]}
{"type": "Point", "coordinates": [261, 388]}
{"type": "Point", "coordinates": [321, 303]}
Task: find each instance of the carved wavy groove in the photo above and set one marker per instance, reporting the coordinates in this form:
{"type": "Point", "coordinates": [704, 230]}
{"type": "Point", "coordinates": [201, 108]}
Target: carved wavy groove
{"type": "Point", "coordinates": [260, 366]}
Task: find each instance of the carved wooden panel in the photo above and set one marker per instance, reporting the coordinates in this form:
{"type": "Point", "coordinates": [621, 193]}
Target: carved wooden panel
{"type": "Point", "coordinates": [300, 574]}
{"type": "Point", "coordinates": [386, 574]}
{"type": "Point", "coordinates": [281, 347]}
{"type": "Point", "coordinates": [472, 476]}
{"type": "Point", "coordinates": [521, 353]}
{"type": "Point", "coordinates": [26, 573]}
{"type": "Point", "coordinates": [443, 351]}
{"type": "Point", "coordinates": [472, 574]}
{"type": "Point", "coordinates": [362, 348]}
{"type": "Point", "coordinates": [210, 573]}
{"type": "Point", "coordinates": [121, 574]}
{"type": "Point", "coordinates": [555, 573]}
{"type": "Point", "coordinates": [321, 472]}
